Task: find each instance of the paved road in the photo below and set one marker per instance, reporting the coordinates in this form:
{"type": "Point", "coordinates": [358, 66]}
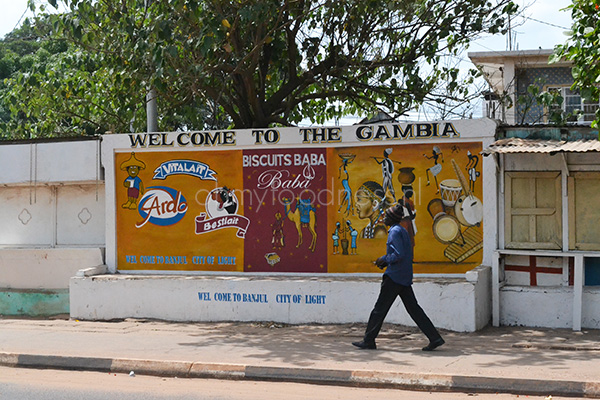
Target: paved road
{"type": "Point", "coordinates": [506, 360]}
{"type": "Point", "coordinates": [25, 384]}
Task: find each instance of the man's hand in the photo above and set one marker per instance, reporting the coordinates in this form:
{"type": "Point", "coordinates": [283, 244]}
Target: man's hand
{"type": "Point", "coordinates": [381, 262]}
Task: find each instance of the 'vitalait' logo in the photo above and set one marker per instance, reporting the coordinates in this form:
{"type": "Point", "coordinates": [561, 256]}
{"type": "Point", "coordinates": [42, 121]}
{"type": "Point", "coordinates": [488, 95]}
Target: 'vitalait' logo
{"type": "Point", "coordinates": [184, 167]}
{"type": "Point", "coordinates": [162, 206]}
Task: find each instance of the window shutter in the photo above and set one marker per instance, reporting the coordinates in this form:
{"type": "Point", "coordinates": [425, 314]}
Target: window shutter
{"type": "Point", "coordinates": [584, 211]}
{"type": "Point", "coordinates": [533, 210]}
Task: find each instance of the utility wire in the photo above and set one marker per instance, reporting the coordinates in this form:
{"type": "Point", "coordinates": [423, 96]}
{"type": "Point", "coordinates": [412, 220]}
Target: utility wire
{"type": "Point", "coordinates": [546, 23]}
{"type": "Point", "coordinates": [21, 18]}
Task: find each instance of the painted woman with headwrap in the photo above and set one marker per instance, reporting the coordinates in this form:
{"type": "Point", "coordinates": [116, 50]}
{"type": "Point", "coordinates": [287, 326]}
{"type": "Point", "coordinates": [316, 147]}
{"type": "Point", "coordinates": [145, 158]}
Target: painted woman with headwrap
{"type": "Point", "coordinates": [371, 202]}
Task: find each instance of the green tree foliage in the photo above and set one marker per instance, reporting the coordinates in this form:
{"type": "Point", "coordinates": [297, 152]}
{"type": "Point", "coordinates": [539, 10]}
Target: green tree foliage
{"type": "Point", "coordinates": [20, 50]}
{"type": "Point", "coordinates": [583, 48]}
{"type": "Point", "coordinates": [246, 63]}
{"type": "Point", "coordinates": [52, 87]}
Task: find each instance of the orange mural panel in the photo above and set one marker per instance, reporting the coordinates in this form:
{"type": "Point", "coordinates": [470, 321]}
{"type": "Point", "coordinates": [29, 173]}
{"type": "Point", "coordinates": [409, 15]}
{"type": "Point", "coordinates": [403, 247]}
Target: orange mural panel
{"type": "Point", "coordinates": [180, 211]}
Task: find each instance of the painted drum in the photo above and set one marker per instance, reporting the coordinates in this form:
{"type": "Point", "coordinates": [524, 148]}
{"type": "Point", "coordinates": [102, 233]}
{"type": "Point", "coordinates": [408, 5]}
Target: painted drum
{"type": "Point", "coordinates": [446, 228]}
{"type": "Point", "coordinates": [450, 191]}
{"type": "Point", "coordinates": [435, 208]}
{"type": "Point", "coordinates": [469, 210]}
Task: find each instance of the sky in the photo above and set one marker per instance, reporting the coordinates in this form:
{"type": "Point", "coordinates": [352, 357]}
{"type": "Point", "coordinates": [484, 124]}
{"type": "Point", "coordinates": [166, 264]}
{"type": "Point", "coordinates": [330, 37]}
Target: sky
{"type": "Point", "coordinates": [12, 10]}
{"type": "Point", "coordinates": [542, 25]}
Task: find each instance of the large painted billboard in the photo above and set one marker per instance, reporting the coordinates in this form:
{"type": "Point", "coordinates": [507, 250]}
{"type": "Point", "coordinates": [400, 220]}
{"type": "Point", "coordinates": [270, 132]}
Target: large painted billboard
{"type": "Point", "coordinates": [298, 200]}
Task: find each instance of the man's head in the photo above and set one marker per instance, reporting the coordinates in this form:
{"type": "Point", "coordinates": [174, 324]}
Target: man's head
{"type": "Point", "coordinates": [393, 215]}
{"type": "Point", "coordinates": [133, 171]}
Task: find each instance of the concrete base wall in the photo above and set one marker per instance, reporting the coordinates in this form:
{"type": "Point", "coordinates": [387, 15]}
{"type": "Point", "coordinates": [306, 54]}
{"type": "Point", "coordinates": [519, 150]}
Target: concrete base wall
{"type": "Point", "coordinates": [548, 307]}
{"type": "Point", "coordinates": [450, 303]}
{"type": "Point", "coordinates": [49, 268]}
{"type": "Point", "coordinates": [34, 303]}
{"type": "Point", "coordinates": [35, 282]}
{"type": "Point", "coordinates": [481, 277]}
{"type": "Point", "coordinates": [590, 317]}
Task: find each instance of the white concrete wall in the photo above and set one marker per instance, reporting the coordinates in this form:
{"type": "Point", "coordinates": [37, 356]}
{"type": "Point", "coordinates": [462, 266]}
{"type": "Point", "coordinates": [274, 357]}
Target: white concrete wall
{"type": "Point", "coordinates": [450, 303]}
{"type": "Point", "coordinates": [52, 214]}
{"type": "Point", "coordinates": [44, 268]}
{"type": "Point", "coordinates": [549, 307]}
{"type": "Point", "coordinates": [26, 216]}
{"type": "Point", "coordinates": [490, 206]}
{"type": "Point", "coordinates": [64, 161]}
{"type": "Point", "coordinates": [590, 313]}
{"type": "Point", "coordinates": [481, 278]}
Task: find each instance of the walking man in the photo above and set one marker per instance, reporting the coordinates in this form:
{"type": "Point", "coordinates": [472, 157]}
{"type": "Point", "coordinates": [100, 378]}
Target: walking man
{"type": "Point", "coordinates": [397, 281]}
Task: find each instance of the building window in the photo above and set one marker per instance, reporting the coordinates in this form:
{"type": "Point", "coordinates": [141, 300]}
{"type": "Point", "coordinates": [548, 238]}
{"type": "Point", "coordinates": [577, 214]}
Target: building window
{"type": "Point", "coordinates": [579, 110]}
{"type": "Point", "coordinates": [533, 204]}
{"type": "Point", "coordinates": [584, 211]}
{"type": "Point", "coordinates": [592, 271]}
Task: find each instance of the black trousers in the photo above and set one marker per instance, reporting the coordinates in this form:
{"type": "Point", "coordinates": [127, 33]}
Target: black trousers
{"type": "Point", "coordinates": [387, 295]}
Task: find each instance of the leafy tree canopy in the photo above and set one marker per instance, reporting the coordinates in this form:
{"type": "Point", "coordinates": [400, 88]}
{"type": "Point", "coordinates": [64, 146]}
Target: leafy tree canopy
{"type": "Point", "coordinates": [244, 63]}
{"type": "Point", "coordinates": [19, 51]}
{"type": "Point", "coordinates": [583, 48]}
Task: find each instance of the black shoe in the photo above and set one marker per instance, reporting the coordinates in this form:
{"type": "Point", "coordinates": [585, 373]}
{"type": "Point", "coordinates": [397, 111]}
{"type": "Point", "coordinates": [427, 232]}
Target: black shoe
{"type": "Point", "coordinates": [365, 346]}
{"type": "Point", "coordinates": [434, 345]}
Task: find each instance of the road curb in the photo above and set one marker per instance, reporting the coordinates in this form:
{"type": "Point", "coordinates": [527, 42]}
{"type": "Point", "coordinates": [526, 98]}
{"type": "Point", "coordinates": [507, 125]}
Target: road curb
{"type": "Point", "coordinates": [358, 378]}
{"type": "Point", "coordinates": [151, 367]}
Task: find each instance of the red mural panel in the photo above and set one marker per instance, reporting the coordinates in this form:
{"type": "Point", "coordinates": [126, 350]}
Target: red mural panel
{"type": "Point", "coordinates": [285, 198]}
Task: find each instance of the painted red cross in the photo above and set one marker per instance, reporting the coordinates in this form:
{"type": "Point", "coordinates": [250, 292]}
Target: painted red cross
{"type": "Point", "coordinates": [533, 270]}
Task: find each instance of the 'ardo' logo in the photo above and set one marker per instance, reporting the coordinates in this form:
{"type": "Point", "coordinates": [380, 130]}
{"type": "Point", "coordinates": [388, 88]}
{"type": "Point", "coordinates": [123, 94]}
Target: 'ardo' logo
{"type": "Point", "coordinates": [162, 206]}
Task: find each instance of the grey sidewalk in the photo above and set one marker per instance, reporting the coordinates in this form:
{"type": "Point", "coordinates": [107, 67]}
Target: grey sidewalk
{"type": "Point", "coordinates": [517, 360]}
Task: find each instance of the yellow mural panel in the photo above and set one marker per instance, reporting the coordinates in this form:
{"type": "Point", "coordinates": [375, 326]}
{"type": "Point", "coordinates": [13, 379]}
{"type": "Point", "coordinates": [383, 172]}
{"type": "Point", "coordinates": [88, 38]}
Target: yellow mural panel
{"type": "Point", "coordinates": [439, 185]}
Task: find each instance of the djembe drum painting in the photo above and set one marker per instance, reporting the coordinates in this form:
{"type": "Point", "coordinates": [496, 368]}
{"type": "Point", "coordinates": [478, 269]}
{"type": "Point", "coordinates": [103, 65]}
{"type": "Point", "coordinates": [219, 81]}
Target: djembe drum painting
{"type": "Point", "coordinates": [450, 190]}
{"type": "Point", "coordinates": [448, 227]}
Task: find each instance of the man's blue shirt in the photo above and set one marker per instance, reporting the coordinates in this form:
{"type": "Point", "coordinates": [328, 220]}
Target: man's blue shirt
{"type": "Point", "coordinates": [399, 256]}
